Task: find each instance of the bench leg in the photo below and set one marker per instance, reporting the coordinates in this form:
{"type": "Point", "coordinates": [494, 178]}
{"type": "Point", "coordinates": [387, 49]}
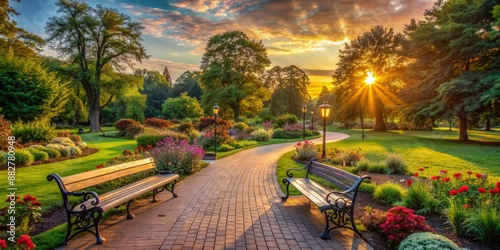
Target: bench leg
{"type": "Point", "coordinates": [171, 189]}
{"type": "Point", "coordinates": [325, 235]}
{"type": "Point", "coordinates": [287, 184]}
{"type": "Point", "coordinates": [154, 195]}
{"type": "Point", "coordinates": [129, 214]}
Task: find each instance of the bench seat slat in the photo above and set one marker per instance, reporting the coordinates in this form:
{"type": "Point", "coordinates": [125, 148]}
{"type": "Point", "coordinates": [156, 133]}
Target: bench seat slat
{"type": "Point", "coordinates": [315, 193]}
{"type": "Point", "coordinates": [122, 195]}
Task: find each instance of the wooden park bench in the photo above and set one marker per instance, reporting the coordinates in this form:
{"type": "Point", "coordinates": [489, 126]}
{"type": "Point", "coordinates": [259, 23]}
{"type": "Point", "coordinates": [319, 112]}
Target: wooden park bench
{"type": "Point", "coordinates": [87, 207]}
{"type": "Point", "coordinates": [337, 206]}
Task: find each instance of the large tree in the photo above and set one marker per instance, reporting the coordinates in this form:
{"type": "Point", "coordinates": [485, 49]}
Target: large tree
{"type": "Point", "coordinates": [157, 89]}
{"type": "Point", "coordinates": [188, 82]}
{"type": "Point", "coordinates": [23, 43]}
{"type": "Point", "coordinates": [378, 52]}
{"type": "Point", "coordinates": [289, 89]}
{"type": "Point", "coordinates": [231, 66]}
{"type": "Point", "coordinates": [93, 38]}
{"type": "Point", "coordinates": [456, 59]}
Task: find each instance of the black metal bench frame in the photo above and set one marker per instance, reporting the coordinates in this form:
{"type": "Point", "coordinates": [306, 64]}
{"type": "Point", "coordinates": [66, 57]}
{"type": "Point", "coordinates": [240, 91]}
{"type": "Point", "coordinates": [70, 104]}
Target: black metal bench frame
{"type": "Point", "coordinates": [88, 210]}
{"type": "Point", "coordinates": [337, 206]}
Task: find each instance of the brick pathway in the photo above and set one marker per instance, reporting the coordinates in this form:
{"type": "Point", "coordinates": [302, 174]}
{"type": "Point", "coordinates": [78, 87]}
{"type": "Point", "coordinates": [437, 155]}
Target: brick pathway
{"type": "Point", "coordinates": [232, 204]}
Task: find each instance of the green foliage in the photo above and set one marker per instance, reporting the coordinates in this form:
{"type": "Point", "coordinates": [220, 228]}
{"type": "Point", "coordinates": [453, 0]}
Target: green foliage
{"type": "Point", "coordinates": [484, 225]}
{"type": "Point", "coordinates": [182, 107]}
{"type": "Point", "coordinates": [285, 119]}
{"type": "Point", "coordinates": [368, 188]}
{"type": "Point", "coordinates": [289, 86]}
{"type": "Point", "coordinates": [243, 143]}
{"type": "Point", "coordinates": [224, 148]}
{"type": "Point", "coordinates": [261, 135]}
{"type": "Point", "coordinates": [345, 157]}
{"type": "Point", "coordinates": [65, 151]}
{"type": "Point", "coordinates": [156, 88]}
{"type": "Point", "coordinates": [305, 151]}
{"type": "Point", "coordinates": [3, 158]}
{"type": "Point", "coordinates": [35, 131]}
{"type": "Point", "coordinates": [388, 193]}
{"type": "Point", "coordinates": [419, 198]}
{"type": "Point", "coordinates": [427, 241]}
{"type": "Point", "coordinates": [73, 150]}
{"type": "Point", "coordinates": [240, 126]}
{"type": "Point", "coordinates": [53, 153]}
{"type": "Point", "coordinates": [64, 141]}
{"type": "Point", "coordinates": [38, 155]}
{"type": "Point", "coordinates": [188, 82]}
{"type": "Point", "coordinates": [185, 127]}
{"type": "Point", "coordinates": [23, 158]}
{"type": "Point", "coordinates": [396, 164]}
{"type": "Point", "coordinates": [151, 139]}
{"type": "Point", "coordinates": [29, 90]}
{"type": "Point", "coordinates": [27, 213]}
{"type": "Point", "coordinates": [372, 218]}
{"type": "Point", "coordinates": [230, 68]}
{"type": "Point", "coordinates": [457, 215]}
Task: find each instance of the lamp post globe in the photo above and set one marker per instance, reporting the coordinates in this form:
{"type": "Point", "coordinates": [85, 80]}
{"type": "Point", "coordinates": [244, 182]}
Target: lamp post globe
{"type": "Point", "coordinates": [312, 119]}
{"type": "Point", "coordinates": [324, 110]}
{"type": "Point", "coordinates": [216, 111]}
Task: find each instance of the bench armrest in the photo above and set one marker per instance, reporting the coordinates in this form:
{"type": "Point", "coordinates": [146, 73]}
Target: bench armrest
{"type": "Point", "coordinates": [354, 188]}
{"type": "Point", "coordinates": [289, 171]}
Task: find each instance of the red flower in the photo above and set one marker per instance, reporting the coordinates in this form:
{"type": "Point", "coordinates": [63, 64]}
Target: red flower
{"type": "Point", "coordinates": [99, 166]}
{"type": "Point", "coordinates": [453, 192]}
{"type": "Point", "coordinates": [3, 244]}
{"type": "Point", "coordinates": [415, 174]}
{"type": "Point", "coordinates": [421, 169]}
{"type": "Point", "coordinates": [492, 191]}
{"type": "Point", "coordinates": [36, 203]}
{"type": "Point", "coordinates": [435, 177]}
{"type": "Point", "coordinates": [466, 206]}
{"type": "Point", "coordinates": [469, 172]}
{"type": "Point", "coordinates": [408, 183]}
{"type": "Point", "coordinates": [26, 241]}
{"type": "Point", "coordinates": [463, 189]}
{"type": "Point", "coordinates": [498, 184]}
{"type": "Point", "coordinates": [28, 197]}
{"type": "Point", "coordinates": [481, 190]}
{"type": "Point", "coordinates": [478, 175]}
{"type": "Point", "coordinates": [149, 147]}
{"type": "Point", "coordinates": [443, 171]}
{"type": "Point", "coordinates": [446, 179]}
{"type": "Point", "coordinates": [457, 175]}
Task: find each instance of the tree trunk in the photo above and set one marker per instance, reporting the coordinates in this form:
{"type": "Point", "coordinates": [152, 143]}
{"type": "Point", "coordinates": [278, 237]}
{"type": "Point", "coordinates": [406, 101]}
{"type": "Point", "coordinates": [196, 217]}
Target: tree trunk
{"type": "Point", "coordinates": [94, 120]}
{"type": "Point", "coordinates": [462, 120]}
{"type": "Point", "coordinates": [93, 99]}
{"type": "Point", "coordinates": [487, 126]}
{"type": "Point", "coordinates": [379, 120]}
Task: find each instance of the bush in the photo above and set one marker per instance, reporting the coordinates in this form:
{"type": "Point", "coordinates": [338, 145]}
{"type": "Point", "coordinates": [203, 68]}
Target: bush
{"type": "Point", "coordinates": [4, 133]}
{"type": "Point", "coordinates": [64, 133]}
{"type": "Point", "coordinates": [123, 124]}
{"type": "Point", "coordinates": [240, 126]}
{"type": "Point", "coordinates": [373, 218]}
{"type": "Point", "coordinates": [27, 214]}
{"type": "Point", "coordinates": [396, 164]}
{"type": "Point", "coordinates": [177, 156]}
{"type": "Point", "coordinates": [261, 135]}
{"type": "Point", "coordinates": [243, 143]}
{"type": "Point", "coordinates": [427, 241]}
{"type": "Point", "coordinates": [144, 140]}
{"type": "Point", "coordinates": [305, 151]}
{"type": "Point", "coordinates": [65, 141]}
{"type": "Point", "coordinates": [285, 119]}
{"type": "Point", "coordinates": [157, 123]}
{"type": "Point", "coordinates": [76, 139]}
{"type": "Point", "coordinates": [53, 153]}
{"type": "Point", "coordinates": [133, 130]}
{"type": "Point", "coordinates": [82, 145]}
{"type": "Point", "coordinates": [345, 157]}
{"type": "Point", "coordinates": [23, 158]}
{"type": "Point", "coordinates": [401, 222]}
{"type": "Point", "coordinates": [388, 193]}
{"type": "Point", "coordinates": [111, 134]}
{"type": "Point", "coordinates": [185, 127]}
{"type": "Point", "coordinates": [368, 188]}
{"type": "Point", "coordinates": [224, 148]}
{"type": "Point", "coordinates": [73, 150]}
{"type": "Point", "coordinates": [377, 167]}
{"type": "Point", "coordinates": [457, 215]}
{"type": "Point", "coordinates": [65, 151]}
{"type": "Point", "coordinates": [3, 158]}
{"type": "Point", "coordinates": [34, 131]}
{"type": "Point", "coordinates": [38, 155]}
{"type": "Point", "coordinates": [419, 198]}
{"type": "Point", "coordinates": [484, 225]}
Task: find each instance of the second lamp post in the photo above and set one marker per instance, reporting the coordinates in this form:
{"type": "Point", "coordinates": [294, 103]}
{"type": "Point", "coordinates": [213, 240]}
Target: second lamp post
{"type": "Point", "coordinates": [216, 111]}
{"type": "Point", "coordinates": [324, 110]}
{"type": "Point", "coordinates": [304, 109]}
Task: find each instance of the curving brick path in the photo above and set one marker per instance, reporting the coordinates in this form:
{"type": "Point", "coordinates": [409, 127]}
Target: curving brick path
{"type": "Point", "coordinates": [232, 204]}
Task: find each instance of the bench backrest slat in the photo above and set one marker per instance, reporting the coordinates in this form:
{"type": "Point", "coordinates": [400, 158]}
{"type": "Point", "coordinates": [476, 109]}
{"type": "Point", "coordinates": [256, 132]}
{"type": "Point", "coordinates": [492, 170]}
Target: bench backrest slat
{"type": "Point", "coordinates": [339, 177]}
{"type": "Point", "coordinates": [94, 177]}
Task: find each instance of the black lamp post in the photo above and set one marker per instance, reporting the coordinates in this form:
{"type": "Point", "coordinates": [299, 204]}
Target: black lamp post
{"type": "Point", "coordinates": [361, 116]}
{"type": "Point", "coordinates": [216, 111]}
{"type": "Point", "coordinates": [304, 109]}
{"type": "Point", "coordinates": [312, 120]}
{"type": "Point", "coordinates": [324, 110]}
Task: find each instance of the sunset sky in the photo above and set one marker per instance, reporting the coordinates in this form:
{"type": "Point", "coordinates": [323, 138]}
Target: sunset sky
{"type": "Point", "coordinates": [305, 33]}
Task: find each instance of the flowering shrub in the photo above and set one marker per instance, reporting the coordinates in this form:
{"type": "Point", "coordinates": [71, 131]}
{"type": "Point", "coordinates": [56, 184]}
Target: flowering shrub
{"type": "Point", "coordinates": [122, 124]}
{"type": "Point", "coordinates": [373, 218]}
{"type": "Point", "coordinates": [157, 123]}
{"type": "Point", "coordinates": [305, 151]}
{"type": "Point", "coordinates": [401, 222]}
{"type": "Point", "coordinates": [345, 157]}
{"type": "Point", "coordinates": [177, 156]}
{"type": "Point", "coordinates": [27, 212]}
{"type": "Point", "coordinates": [4, 133]}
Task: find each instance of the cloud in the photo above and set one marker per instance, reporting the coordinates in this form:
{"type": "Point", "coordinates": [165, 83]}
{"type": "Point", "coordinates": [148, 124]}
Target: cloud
{"type": "Point", "coordinates": [175, 68]}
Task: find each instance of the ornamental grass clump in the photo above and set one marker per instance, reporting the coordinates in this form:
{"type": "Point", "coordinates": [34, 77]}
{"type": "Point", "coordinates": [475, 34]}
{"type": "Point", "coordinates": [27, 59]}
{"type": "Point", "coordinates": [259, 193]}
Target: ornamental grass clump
{"type": "Point", "coordinates": [427, 241]}
{"type": "Point", "coordinates": [401, 222]}
{"type": "Point", "coordinates": [306, 150]}
{"type": "Point", "coordinates": [419, 197]}
{"type": "Point", "coordinates": [177, 156]}
{"type": "Point", "coordinates": [396, 164]}
{"type": "Point", "coordinates": [388, 193]}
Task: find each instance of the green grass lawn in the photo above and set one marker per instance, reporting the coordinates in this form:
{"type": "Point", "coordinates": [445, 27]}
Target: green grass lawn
{"type": "Point", "coordinates": [438, 149]}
